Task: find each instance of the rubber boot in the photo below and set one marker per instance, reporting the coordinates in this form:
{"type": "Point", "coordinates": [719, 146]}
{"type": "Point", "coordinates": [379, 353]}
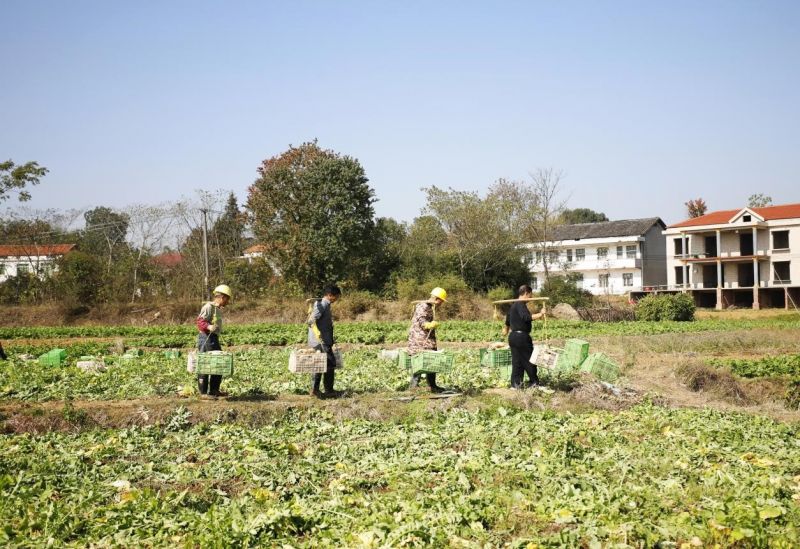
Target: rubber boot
{"type": "Point", "coordinates": [202, 384]}
{"type": "Point", "coordinates": [216, 381]}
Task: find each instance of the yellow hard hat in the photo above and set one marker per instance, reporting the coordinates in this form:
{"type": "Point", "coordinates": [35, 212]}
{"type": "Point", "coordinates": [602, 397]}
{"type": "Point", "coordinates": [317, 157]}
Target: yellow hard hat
{"type": "Point", "coordinates": [223, 289]}
{"type": "Point", "coordinates": [440, 293]}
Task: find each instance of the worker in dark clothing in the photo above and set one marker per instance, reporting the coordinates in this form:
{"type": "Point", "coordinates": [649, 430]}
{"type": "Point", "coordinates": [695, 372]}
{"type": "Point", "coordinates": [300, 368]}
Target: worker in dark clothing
{"type": "Point", "coordinates": [518, 328]}
{"type": "Point", "coordinates": [320, 338]}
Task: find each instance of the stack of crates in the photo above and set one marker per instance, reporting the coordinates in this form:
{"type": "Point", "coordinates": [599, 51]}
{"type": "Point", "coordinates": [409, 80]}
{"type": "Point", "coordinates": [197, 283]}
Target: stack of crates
{"type": "Point", "coordinates": [601, 367]}
{"type": "Point", "coordinates": [218, 363]}
{"type": "Point", "coordinates": [53, 357]}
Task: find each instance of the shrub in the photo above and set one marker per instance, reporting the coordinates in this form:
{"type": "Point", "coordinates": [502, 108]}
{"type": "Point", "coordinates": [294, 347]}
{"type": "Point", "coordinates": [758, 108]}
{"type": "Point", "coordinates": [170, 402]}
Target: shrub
{"type": "Point", "coordinates": [666, 307]}
{"type": "Point", "coordinates": [792, 397]}
{"type": "Point", "coordinates": [564, 289]}
{"type": "Point", "coordinates": [500, 292]}
{"type": "Point", "coordinates": [356, 302]}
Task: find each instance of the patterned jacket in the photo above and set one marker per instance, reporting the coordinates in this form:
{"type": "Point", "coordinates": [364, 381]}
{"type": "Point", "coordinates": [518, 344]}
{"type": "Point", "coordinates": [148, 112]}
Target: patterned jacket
{"type": "Point", "coordinates": [420, 339]}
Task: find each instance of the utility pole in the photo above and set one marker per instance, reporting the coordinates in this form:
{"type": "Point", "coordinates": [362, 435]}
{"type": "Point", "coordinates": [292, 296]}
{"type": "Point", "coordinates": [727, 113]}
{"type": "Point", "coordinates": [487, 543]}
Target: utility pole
{"type": "Point", "coordinates": [205, 253]}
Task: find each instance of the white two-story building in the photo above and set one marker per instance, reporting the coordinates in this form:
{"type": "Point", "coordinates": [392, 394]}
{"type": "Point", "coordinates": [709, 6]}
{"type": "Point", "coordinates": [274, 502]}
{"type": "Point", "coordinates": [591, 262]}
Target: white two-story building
{"type": "Point", "coordinates": [748, 257]}
{"type": "Point", "coordinates": [38, 259]}
{"type": "Point", "coordinates": [610, 257]}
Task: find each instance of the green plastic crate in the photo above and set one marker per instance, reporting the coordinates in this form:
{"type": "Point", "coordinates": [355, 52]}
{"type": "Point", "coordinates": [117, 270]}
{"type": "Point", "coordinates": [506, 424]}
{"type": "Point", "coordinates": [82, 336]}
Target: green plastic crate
{"type": "Point", "coordinates": [54, 357]}
{"type": "Point", "coordinates": [566, 363]}
{"type": "Point", "coordinates": [495, 358]}
{"type": "Point", "coordinates": [218, 363]}
{"type": "Point", "coordinates": [505, 373]}
{"type": "Point", "coordinates": [433, 362]}
{"type": "Point", "coordinates": [601, 367]}
{"type": "Point", "coordinates": [172, 353]}
{"type": "Point", "coordinates": [577, 350]}
{"type": "Point", "coordinates": [404, 359]}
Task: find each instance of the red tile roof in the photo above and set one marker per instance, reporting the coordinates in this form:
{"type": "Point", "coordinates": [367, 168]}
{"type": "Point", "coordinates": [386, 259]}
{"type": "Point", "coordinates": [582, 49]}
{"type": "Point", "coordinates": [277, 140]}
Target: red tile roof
{"type": "Point", "coordinates": [720, 217]}
{"type": "Point", "coordinates": [33, 250]}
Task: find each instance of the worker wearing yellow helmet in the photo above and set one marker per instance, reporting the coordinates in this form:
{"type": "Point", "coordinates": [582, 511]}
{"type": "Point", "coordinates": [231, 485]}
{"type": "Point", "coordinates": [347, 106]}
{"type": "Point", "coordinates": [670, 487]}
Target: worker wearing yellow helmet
{"type": "Point", "coordinates": [422, 335]}
{"type": "Point", "coordinates": [209, 324]}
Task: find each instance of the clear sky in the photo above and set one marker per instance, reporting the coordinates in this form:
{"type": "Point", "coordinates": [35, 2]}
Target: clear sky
{"type": "Point", "coordinates": [642, 105]}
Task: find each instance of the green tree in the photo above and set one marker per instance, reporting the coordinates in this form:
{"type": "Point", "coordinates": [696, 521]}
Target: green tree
{"type": "Point", "coordinates": [383, 258]}
{"type": "Point", "coordinates": [228, 232]}
{"type": "Point", "coordinates": [582, 215]}
{"type": "Point", "coordinates": [421, 252]}
{"type": "Point", "coordinates": [79, 278]}
{"type": "Point", "coordinates": [14, 178]}
{"type": "Point", "coordinates": [564, 289]}
{"type": "Point", "coordinates": [104, 235]}
{"type": "Point", "coordinates": [313, 210]}
{"type": "Point", "coordinates": [248, 279]}
{"type": "Point", "coordinates": [759, 201]}
{"type": "Point", "coordinates": [478, 234]}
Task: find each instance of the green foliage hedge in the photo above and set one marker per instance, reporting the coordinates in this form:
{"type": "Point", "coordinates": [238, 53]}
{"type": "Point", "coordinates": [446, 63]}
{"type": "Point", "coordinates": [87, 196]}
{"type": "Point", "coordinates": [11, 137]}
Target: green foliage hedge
{"type": "Point", "coordinates": [677, 307]}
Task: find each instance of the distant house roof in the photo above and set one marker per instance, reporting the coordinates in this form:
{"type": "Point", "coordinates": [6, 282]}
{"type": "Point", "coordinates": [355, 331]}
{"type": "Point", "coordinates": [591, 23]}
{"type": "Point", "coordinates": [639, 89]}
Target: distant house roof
{"type": "Point", "coordinates": [34, 250]}
{"type": "Point", "coordinates": [256, 249]}
{"type": "Point", "coordinates": [605, 229]}
{"type": "Point", "coordinates": [720, 217]}
{"type": "Point", "coordinates": [170, 259]}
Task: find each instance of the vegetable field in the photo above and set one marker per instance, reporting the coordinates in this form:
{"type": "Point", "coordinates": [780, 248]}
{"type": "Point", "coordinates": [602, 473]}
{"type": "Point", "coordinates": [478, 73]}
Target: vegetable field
{"type": "Point", "coordinates": [485, 469]}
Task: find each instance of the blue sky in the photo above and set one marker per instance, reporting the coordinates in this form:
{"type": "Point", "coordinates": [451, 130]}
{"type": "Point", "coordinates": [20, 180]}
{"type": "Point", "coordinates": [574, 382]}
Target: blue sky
{"type": "Point", "coordinates": [641, 105]}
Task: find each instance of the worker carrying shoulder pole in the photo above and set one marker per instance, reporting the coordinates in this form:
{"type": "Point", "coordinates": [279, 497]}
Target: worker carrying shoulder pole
{"type": "Point", "coordinates": [518, 328]}
{"type": "Point", "coordinates": [422, 335]}
{"type": "Point", "coordinates": [320, 338]}
{"type": "Point", "coordinates": [209, 323]}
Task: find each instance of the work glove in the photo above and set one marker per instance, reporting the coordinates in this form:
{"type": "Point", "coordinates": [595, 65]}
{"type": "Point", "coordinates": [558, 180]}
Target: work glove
{"type": "Point", "coordinates": [431, 325]}
{"type": "Point", "coordinates": [212, 328]}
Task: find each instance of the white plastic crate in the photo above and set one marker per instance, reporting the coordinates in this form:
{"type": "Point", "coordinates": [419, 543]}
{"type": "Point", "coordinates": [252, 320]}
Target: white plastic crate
{"type": "Point", "coordinates": [544, 356]}
{"type": "Point", "coordinates": [308, 363]}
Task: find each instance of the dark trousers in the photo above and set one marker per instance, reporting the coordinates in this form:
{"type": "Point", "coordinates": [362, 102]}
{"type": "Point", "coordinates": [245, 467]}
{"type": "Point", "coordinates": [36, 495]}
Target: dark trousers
{"type": "Point", "coordinates": [431, 377]}
{"type": "Point", "coordinates": [521, 346]}
{"type": "Point", "coordinates": [330, 374]}
{"type": "Point", "coordinates": [208, 384]}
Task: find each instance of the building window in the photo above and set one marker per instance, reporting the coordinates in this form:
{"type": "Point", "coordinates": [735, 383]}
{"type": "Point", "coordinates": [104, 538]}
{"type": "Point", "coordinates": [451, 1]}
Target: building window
{"type": "Point", "coordinates": [781, 269]}
{"type": "Point", "coordinates": [627, 279]}
{"type": "Point", "coordinates": [538, 257]}
{"type": "Point", "coordinates": [630, 251]}
{"type": "Point", "coordinates": [578, 278]}
{"type": "Point", "coordinates": [678, 246]}
{"type": "Point", "coordinates": [679, 276]}
{"type": "Point", "coordinates": [23, 268]}
{"type": "Point", "coordinates": [604, 280]}
{"type": "Point", "coordinates": [746, 218]}
{"type": "Point", "coordinates": [2, 268]}
{"type": "Point", "coordinates": [534, 283]}
{"type": "Point", "coordinates": [602, 253]}
{"type": "Point", "coordinates": [580, 254]}
{"type": "Point", "coordinates": [553, 256]}
{"type": "Point", "coordinates": [780, 240]}
{"type": "Point", "coordinates": [569, 256]}
{"type": "Point", "coordinates": [620, 249]}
